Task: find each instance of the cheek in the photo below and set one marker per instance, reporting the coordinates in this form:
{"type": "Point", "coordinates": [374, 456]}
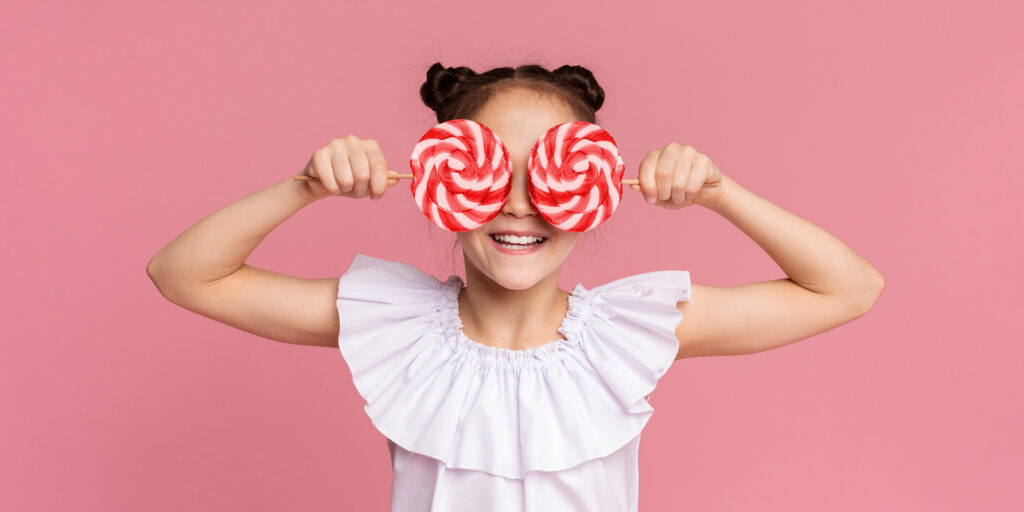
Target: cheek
{"type": "Point", "coordinates": [565, 242]}
{"type": "Point", "coordinates": [472, 241]}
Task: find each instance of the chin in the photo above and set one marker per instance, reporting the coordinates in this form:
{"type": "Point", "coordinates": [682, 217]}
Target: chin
{"type": "Point", "coordinates": [509, 271]}
{"type": "Point", "coordinates": [517, 282]}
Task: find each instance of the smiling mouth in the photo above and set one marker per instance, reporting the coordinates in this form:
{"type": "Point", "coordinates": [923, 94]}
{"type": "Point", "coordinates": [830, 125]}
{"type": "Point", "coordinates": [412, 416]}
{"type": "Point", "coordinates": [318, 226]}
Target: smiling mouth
{"type": "Point", "coordinates": [512, 242]}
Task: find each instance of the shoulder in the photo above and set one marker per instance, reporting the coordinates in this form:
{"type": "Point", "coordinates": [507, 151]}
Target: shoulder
{"type": "Point", "coordinates": [369, 277]}
{"type": "Point", "coordinates": [647, 289]}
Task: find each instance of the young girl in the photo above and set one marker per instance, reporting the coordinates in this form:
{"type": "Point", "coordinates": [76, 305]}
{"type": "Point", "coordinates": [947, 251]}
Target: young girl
{"type": "Point", "coordinates": [504, 392]}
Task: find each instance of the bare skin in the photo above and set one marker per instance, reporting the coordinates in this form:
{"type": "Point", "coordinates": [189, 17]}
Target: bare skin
{"type": "Point", "coordinates": [513, 301]}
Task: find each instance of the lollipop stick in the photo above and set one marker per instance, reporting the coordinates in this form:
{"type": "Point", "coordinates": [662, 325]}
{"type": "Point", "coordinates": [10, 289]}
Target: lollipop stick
{"type": "Point", "coordinates": [392, 175]}
{"type": "Point", "coordinates": [395, 175]}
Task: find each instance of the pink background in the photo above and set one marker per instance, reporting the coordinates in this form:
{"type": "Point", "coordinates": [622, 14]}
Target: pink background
{"type": "Point", "coordinates": [893, 125]}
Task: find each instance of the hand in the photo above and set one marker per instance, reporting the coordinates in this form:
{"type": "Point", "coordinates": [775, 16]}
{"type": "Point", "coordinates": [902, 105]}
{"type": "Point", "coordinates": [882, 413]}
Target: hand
{"type": "Point", "coordinates": [350, 167]}
{"type": "Point", "coordinates": [677, 176]}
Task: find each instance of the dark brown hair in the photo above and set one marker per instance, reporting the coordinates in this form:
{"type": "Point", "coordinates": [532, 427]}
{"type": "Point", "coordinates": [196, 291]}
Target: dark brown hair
{"type": "Point", "coordinates": [460, 92]}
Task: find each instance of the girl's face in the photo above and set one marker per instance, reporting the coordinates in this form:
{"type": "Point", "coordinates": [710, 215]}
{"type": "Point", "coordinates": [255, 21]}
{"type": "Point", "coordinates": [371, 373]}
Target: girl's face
{"type": "Point", "coordinates": [519, 117]}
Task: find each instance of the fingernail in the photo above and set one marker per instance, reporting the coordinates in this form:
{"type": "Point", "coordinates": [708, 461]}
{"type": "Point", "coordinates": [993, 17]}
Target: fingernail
{"type": "Point", "coordinates": [651, 199]}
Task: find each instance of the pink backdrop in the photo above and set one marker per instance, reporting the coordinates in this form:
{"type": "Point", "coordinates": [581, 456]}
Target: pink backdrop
{"type": "Point", "coordinates": [894, 125]}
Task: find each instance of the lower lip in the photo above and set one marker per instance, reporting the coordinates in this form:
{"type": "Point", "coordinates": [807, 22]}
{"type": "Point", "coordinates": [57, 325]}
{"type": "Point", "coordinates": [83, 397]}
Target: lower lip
{"type": "Point", "coordinates": [518, 251]}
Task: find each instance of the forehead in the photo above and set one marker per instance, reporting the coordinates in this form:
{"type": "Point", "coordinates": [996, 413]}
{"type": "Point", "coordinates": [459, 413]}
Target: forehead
{"type": "Point", "coordinates": [519, 116]}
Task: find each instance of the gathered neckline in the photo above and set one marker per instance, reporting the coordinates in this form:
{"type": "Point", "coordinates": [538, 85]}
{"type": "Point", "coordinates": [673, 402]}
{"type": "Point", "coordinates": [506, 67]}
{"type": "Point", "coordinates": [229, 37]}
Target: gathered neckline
{"type": "Point", "coordinates": [515, 358]}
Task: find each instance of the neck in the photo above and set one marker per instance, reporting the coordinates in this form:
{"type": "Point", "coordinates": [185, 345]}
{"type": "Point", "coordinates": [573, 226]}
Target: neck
{"type": "Point", "coordinates": [515, 319]}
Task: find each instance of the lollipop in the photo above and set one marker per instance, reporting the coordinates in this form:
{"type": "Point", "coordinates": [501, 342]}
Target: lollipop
{"type": "Point", "coordinates": [461, 174]}
{"type": "Point", "coordinates": [576, 176]}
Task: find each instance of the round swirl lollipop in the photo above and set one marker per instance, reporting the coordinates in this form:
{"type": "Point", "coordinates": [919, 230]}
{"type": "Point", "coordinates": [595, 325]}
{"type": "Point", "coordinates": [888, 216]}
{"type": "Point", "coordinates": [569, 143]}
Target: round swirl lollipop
{"type": "Point", "coordinates": [576, 176]}
{"type": "Point", "coordinates": [461, 174]}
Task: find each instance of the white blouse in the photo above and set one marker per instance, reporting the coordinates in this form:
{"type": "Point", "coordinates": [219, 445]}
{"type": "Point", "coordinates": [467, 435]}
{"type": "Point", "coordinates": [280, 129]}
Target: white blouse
{"type": "Point", "coordinates": [472, 427]}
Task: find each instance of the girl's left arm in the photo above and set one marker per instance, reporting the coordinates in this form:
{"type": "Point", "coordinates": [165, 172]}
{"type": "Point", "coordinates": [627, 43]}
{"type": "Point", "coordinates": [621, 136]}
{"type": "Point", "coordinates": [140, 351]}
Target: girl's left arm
{"type": "Point", "coordinates": [828, 283]}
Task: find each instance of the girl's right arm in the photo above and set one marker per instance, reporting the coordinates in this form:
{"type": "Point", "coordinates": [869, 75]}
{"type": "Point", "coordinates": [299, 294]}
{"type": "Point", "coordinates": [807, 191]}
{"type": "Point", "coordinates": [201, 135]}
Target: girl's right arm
{"type": "Point", "coordinates": [204, 270]}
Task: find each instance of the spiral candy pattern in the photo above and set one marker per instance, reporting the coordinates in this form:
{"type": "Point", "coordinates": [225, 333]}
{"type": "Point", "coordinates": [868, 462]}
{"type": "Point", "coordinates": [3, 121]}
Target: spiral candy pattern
{"type": "Point", "coordinates": [461, 174]}
{"type": "Point", "coordinates": [576, 176]}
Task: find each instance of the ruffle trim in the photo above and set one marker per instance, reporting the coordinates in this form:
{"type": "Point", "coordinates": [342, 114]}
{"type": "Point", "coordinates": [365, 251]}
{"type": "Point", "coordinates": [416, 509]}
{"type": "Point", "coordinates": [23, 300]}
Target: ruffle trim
{"type": "Point", "coordinates": [433, 391]}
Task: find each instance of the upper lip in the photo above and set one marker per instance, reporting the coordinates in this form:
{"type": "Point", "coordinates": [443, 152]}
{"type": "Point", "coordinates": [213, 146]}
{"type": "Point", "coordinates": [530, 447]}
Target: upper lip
{"type": "Point", "coordinates": [517, 233]}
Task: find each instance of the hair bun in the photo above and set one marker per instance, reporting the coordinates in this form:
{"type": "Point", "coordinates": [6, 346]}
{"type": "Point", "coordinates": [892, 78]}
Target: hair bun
{"type": "Point", "coordinates": [582, 79]}
{"type": "Point", "coordinates": [442, 83]}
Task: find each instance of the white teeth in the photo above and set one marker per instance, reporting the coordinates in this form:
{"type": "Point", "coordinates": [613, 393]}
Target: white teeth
{"type": "Point", "coordinates": [517, 247]}
{"type": "Point", "coordinates": [512, 239]}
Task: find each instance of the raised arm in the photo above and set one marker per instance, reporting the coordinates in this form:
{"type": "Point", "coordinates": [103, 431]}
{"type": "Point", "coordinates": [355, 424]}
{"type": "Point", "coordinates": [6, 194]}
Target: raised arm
{"type": "Point", "coordinates": [828, 284]}
{"type": "Point", "coordinates": [204, 269]}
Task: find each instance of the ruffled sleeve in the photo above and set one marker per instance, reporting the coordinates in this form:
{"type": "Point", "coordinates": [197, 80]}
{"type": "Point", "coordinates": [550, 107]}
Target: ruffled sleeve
{"type": "Point", "coordinates": [385, 309]}
{"type": "Point", "coordinates": [435, 392]}
{"type": "Point", "coordinates": [630, 333]}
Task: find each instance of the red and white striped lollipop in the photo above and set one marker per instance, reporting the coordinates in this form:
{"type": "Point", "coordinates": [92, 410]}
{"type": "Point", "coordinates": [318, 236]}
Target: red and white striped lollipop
{"type": "Point", "coordinates": [462, 174]}
{"type": "Point", "coordinates": [576, 176]}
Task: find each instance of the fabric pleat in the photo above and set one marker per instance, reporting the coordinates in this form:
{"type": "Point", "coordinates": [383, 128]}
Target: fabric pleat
{"type": "Point", "coordinates": [435, 392]}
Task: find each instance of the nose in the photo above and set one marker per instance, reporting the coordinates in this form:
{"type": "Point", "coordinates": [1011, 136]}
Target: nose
{"type": "Point", "coordinates": [519, 203]}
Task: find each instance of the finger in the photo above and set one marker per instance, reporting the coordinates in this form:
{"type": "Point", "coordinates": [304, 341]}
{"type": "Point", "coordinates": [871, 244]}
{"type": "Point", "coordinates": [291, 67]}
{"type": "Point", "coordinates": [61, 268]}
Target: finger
{"type": "Point", "coordinates": [378, 169]}
{"type": "Point", "coordinates": [679, 182]}
{"type": "Point", "coordinates": [701, 168]}
{"type": "Point", "coordinates": [666, 169]}
{"type": "Point", "coordinates": [360, 167]}
{"type": "Point", "coordinates": [645, 173]}
{"type": "Point", "coordinates": [342, 170]}
{"type": "Point", "coordinates": [308, 170]}
{"type": "Point", "coordinates": [323, 170]}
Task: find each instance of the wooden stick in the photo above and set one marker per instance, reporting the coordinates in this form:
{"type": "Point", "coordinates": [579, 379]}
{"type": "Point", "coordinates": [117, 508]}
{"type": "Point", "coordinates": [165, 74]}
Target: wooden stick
{"type": "Point", "coordinates": [391, 175]}
{"type": "Point", "coordinates": [394, 175]}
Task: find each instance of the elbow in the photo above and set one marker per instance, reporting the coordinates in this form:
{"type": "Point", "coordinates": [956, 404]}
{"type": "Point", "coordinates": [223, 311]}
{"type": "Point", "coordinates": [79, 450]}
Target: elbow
{"type": "Point", "coordinates": [153, 269]}
{"type": "Point", "coordinates": [869, 297]}
{"type": "Point", "coordinates": [153, 272]}
{"type": "Point", "coordinates": [151, 266]}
